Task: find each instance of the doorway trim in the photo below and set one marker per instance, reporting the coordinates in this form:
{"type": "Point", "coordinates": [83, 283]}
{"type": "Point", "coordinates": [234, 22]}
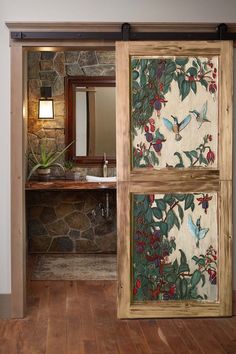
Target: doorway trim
{"type": "Point", "coordinates": [18, 129]}
{"type": "Point", "coordinates": [19, 122]}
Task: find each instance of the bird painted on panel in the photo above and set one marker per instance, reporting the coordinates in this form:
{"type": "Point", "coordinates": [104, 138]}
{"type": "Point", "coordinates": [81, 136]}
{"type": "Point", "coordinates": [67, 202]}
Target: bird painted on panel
{"type": "Point", "coordinates": [176, 127]}
{"type": "Point", "coordinates": [196, 230]}
{"type": "Point", "coordinates": [201, 116]}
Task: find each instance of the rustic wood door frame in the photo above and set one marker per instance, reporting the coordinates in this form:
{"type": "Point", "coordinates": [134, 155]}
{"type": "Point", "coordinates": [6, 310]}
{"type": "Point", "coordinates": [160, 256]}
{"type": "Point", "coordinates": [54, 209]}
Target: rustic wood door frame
{"type": "Point", "coordinates": [18, 143]}
{"type": "Point", "coordinates": [150, 181]}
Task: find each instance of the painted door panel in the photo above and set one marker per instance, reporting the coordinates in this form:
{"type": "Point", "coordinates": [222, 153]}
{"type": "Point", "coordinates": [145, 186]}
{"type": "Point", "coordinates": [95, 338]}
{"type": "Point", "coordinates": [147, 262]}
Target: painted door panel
{"type": "Point", "coordinates": [174, 167]}
{"type": "Point", "coordinates": [174, 111]}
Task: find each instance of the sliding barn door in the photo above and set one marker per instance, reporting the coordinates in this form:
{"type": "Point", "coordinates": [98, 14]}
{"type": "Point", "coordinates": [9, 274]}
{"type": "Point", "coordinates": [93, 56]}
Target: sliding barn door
{"type": "Point", "coordinates": [174, 168]}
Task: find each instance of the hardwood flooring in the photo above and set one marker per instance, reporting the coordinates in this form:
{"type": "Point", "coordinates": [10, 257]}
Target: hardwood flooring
{"type": "Point", "coordinates": [79, 317]}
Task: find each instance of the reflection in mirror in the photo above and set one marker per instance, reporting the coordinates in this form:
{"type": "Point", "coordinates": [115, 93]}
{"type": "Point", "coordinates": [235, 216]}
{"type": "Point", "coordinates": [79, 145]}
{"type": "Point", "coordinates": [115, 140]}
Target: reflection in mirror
{"type": "Point", "coordinates": [95, 121]}
{"type": "Point", "coordinates": [81, 122]}
{"type": "Point", "coordinates": [91, 118]}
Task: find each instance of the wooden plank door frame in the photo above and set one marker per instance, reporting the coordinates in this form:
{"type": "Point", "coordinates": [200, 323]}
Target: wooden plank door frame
{"type": "Point", "coordinates": [146, 180]}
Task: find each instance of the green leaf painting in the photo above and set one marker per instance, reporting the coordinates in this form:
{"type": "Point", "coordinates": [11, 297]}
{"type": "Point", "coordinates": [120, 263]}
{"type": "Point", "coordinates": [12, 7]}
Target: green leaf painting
{"type": "Point", "coordinates": [166, 264]}
{"type": "Point", "coordinates": [174, 112]}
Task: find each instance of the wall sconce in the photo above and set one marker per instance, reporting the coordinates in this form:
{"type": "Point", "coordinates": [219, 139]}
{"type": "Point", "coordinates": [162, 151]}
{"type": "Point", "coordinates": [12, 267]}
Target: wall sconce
{"type": "Point", "coordinates": [46, 110]}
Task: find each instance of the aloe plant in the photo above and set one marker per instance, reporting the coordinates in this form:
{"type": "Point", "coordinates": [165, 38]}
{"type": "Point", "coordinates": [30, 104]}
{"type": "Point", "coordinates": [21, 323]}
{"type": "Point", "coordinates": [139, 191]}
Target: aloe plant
{"type": "Point", "coordinates": [46, 159]}
{"type": "Point", "coordinates": [69, 165]}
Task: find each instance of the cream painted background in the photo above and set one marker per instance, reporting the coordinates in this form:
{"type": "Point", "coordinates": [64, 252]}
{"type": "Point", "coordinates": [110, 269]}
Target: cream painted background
{"type": "Point", "coordinates": [192, 137]}
{"type": "Point", "coordinates": [187, 243]}
{"type": "Point", "coordinates": [216, 11]}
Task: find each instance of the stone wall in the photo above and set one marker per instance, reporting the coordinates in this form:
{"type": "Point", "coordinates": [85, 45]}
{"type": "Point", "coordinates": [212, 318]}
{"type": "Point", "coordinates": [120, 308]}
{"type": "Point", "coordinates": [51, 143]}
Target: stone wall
{"type": "Point", "coordinates": [66, 221]}
{"type": "Point", "coordinates": [70, 222]}
{"type": "Point", "coordinates": [50, 69]}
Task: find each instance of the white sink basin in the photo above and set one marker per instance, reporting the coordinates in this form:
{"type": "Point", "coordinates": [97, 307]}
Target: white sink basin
{"type": "Point", "coordinates": [100, 179]}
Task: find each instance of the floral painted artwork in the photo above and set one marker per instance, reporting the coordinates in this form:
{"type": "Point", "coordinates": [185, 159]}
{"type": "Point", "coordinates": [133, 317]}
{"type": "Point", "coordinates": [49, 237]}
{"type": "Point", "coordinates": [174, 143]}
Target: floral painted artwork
{"type": "Point", "coordinates": [174, 112]}
{"type": "Point", "coordinates": [174, 247]}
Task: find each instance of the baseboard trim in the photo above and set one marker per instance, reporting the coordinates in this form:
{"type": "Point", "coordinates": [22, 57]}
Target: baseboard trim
{"type": "Point", "coordinates": [5, 305]}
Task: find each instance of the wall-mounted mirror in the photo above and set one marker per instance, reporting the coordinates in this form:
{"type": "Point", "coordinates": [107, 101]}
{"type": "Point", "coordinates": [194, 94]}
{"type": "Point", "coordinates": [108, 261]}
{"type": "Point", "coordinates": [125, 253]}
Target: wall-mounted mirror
{"type": "Point", "coordinates": [90, 103]}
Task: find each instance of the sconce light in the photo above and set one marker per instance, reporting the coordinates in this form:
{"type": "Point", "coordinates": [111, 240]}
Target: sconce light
{"type": "Point", "coordinates": [46, 110]}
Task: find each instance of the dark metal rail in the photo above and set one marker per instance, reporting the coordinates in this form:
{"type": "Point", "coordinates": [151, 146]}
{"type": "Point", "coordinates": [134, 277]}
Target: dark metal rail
{"type": "Point", "coordinates": [126, 34]}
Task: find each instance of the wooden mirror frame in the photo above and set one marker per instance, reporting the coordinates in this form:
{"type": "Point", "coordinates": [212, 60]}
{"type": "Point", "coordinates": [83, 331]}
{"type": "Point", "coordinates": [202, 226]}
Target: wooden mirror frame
{"type": "Point", "coordinates": [71, 82]}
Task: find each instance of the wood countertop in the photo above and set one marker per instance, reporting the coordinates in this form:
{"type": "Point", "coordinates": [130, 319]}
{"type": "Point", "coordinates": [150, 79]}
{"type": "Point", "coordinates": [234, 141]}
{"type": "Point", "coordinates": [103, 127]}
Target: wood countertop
{"type": "Point", "coordinates": [60, 184]}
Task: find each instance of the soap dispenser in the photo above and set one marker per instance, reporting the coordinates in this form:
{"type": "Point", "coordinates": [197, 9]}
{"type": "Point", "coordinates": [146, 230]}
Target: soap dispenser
{"type": "Point", "coordinates": [105, 166]}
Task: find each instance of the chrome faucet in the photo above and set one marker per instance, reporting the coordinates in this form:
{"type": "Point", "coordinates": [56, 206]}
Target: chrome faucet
{"type": "Point", "coordinates": [105, 167]}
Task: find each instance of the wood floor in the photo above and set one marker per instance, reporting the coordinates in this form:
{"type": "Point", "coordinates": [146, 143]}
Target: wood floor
{"type": "Point", "coordinates": [78, 317]}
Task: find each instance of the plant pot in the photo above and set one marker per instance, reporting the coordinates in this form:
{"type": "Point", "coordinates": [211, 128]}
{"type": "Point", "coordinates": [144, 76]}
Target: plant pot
{"type": "Point", "coordinates": [44, 171]}
{"type": "Point", "coordinates": [72, 175]}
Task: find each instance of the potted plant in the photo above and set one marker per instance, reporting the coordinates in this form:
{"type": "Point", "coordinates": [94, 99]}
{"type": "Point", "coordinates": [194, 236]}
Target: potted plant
{"type": "Point", "coordinates": [46, 160]}
{"type": "Point", "coordinates": [70, 170]}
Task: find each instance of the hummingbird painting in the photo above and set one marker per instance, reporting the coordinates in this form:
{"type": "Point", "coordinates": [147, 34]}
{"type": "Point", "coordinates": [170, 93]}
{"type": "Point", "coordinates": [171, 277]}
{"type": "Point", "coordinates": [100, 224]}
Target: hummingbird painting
{"type": "Point", "coordinates": [201, 116]}
{"type": "Point", "coordinates": [176, 127]}
{"type": "Point", "coordinates": [196, 230]}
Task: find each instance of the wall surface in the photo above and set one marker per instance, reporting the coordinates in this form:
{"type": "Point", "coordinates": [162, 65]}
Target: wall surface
{"type": "Point", "coordinates": [71, 222]}
{"type": "Point", "coordinates": [78, 10]}
{"type": "Point", "coordinates": [49, 68]}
